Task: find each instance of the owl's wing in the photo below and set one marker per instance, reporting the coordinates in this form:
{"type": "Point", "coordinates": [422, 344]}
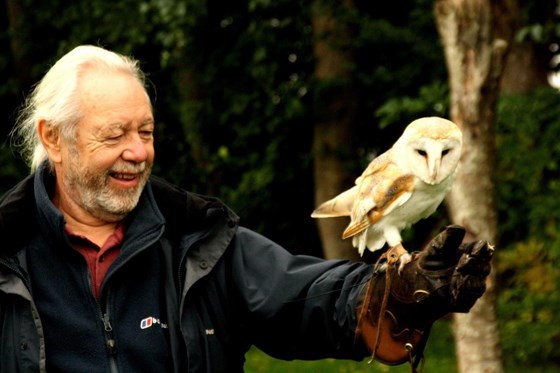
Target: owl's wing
{"type": "Point", "coordinates": [381, 188]}
{"type": "Point", "coordinates": [375, 167]}
{"type": "Point", "coordinates": [343, 204]}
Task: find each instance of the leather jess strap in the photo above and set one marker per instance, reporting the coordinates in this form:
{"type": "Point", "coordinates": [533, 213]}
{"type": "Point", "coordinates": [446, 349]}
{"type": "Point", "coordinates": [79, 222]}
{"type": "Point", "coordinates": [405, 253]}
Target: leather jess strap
{"type": "Point", "coordinates": [389, 342]}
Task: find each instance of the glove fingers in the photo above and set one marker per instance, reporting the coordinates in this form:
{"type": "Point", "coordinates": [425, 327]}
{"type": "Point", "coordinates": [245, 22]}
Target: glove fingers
{"type": "Point", "coordinates": [476, 259]}
{"type": "Point", "coordinates": [480, 249]}
{"type": "Point", "coordinates": [442, 252]}
{"type": "Point", "coordinates": [449, 239]}
{"type": "Point", "coordinates": [469, 280]}
{"type": "Point", "coordinates": [474, 268]}
{"type": "Point", "coordinates": [466, 292]}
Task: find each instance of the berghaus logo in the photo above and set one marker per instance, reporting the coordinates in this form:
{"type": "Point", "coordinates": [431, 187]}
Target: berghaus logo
{"type": "Point", "coordinates": [150, 321]}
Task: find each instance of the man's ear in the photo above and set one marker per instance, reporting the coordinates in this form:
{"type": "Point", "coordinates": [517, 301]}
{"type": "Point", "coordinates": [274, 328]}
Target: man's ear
{"type": "Point", "coordinates": [50, 138]}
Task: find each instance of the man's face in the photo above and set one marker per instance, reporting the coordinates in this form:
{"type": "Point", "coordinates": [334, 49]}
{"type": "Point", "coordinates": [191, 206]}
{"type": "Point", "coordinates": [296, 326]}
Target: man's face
{"type": "Point", "coordinates": [104, 170]}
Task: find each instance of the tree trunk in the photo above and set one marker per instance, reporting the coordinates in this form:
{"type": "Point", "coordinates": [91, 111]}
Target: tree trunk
{"type": "Point", "coordinates": [526, 68]}
{"type": "Point", "coordinates": [475, 35]}
{"type": "Point", "coordinates": [527, 65]}
{"type": "Point", "coordinates": [333, 125]}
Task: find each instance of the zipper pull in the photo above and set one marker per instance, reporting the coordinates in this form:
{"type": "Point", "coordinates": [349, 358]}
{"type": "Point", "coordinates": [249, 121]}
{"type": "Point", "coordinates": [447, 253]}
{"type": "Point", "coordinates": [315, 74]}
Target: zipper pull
{"type": "Point", "coordinates": [110, 342]}
{"type": "Point", "coordinates": [106, 324]}
{"type": "Point", "coordinates": [111, 345]}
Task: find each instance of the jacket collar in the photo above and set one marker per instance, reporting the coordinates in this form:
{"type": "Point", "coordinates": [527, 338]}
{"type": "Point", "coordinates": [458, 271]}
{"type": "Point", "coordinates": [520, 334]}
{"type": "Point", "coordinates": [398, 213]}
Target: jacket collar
{"type": "Point", "coordinates": [195, 218]}
{"type": "Point", "coordinates": [27, 207]}
{"type": "Point", "coordinates": [144, 223]}
{"type": "Point", "coordinates": [17, 212]}
{"type": "Point", "coordinates": [188, 212]}
{"type": "Point", "coordinates": [51, 221]}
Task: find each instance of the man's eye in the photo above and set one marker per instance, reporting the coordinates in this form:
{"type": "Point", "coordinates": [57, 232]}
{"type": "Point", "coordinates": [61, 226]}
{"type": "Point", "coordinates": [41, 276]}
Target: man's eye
{"type": "Point", "coordinates": [146, 134]}
{"type": "Point", "coordinates": [114, 138]}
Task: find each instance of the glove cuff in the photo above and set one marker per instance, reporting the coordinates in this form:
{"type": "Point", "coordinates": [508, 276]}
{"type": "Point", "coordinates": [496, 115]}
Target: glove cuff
{"type": "Point", "coordinates": [389, 340]}
{"type": "Point", "coordinates": [396, 312]}
{"type": "Point", "coordinates": [407, 293]}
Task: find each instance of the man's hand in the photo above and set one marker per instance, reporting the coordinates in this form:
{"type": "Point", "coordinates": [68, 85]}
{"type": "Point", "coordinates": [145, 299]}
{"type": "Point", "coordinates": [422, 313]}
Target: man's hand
{"type": "Point", "coordinates": [403, 303]}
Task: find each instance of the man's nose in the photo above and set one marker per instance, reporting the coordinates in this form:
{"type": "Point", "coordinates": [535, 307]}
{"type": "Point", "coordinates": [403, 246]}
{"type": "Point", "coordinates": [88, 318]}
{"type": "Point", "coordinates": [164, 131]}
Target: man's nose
{"type": "Point", "coordinates": [136, 150]}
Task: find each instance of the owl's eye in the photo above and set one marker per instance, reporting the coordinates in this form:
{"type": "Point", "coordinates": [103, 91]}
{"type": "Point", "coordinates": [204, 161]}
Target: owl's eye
{"type": "Point", "coordinates": [444, 152]}
{"type": "Point", "coordinates": [421, 152]}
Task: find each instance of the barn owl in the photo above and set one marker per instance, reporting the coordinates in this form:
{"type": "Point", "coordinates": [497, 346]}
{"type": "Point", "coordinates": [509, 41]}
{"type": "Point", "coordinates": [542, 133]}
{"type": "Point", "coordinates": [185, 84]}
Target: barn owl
{"type": "Point", "coordinates": [399, 187]}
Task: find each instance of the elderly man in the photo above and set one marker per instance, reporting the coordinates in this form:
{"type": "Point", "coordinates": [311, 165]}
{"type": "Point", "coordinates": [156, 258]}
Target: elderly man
{"type": "Point", "coordinates": [106, 268]}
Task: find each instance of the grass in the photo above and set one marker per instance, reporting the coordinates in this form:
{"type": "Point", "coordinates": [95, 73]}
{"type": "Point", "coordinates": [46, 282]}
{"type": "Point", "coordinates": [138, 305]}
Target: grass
{"type": "Point", "coordinates": [439, 358]}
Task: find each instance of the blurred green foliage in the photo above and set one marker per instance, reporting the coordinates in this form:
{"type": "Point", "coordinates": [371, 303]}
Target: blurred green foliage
{"type": "Point", "coordinates": [528, 189]}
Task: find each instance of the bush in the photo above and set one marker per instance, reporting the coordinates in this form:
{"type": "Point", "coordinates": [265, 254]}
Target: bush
{"type": "Point", "coordinates": [528, 189]}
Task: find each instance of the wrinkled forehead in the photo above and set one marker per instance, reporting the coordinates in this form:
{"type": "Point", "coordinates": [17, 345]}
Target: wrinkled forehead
{"type": "Point", "coordinates": [101, 84]}
{"type": "Point", "coordinates": [115, 99]}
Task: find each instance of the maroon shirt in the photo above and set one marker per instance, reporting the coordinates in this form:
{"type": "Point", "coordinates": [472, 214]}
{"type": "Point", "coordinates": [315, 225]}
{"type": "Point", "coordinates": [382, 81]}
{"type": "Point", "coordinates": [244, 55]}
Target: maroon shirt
{"type": "Point", "coordinates": [99, 259]}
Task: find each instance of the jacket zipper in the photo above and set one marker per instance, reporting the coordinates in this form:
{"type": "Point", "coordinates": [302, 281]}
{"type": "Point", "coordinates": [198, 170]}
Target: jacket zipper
{"type": "Point", "coordinates": [110, 343]}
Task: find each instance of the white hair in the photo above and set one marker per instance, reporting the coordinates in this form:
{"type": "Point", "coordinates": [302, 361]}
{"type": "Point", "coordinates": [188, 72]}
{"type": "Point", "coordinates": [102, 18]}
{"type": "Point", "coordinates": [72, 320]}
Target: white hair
{"type": "Point", "coordinates": [54, 99]}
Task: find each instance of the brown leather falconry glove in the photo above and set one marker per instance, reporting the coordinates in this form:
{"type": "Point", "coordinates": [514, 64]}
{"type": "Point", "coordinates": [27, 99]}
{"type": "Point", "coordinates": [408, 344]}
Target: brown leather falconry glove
{"type": "Point", "coordinates": [400, 305]}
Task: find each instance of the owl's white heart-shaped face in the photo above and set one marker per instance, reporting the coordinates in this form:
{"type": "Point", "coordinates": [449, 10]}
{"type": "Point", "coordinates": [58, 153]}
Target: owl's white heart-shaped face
{"type": "Point", "coordinates": [430, 148]}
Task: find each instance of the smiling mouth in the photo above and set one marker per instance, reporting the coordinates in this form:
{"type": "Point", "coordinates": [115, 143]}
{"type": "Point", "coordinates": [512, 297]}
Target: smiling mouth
{"type": "Point", "coordinates": [121, 176]}
{"type": "Point", "coordinates": [128, 173]}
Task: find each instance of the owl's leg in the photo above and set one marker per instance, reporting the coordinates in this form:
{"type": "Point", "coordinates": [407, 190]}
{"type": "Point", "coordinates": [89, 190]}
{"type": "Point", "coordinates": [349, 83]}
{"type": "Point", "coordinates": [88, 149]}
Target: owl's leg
{"type": "Point", "coordinates": [374, 239]}
{"type": "Point", "coordinates": [404, 260]}
{"type": "Point", "coordinates": [393, 237]}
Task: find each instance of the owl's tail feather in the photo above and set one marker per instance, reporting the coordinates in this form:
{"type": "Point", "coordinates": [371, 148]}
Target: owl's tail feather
{"type": "Point", "coordinates": [340, 205]}
{"type": "Point", "coordinates": [355, 228]}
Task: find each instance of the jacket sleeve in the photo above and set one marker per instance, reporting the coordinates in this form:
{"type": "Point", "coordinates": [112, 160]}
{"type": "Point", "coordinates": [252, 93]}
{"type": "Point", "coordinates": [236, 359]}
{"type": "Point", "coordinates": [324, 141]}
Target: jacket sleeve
{"type": "Point", "coordinates": [297, 307]}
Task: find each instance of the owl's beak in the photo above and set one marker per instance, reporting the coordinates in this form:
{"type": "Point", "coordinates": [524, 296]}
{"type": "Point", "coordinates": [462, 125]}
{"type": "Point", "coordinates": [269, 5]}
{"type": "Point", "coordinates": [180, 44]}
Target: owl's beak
{"type": "Point", "coordinates": [433, 178]}
{"type": "Point", "coordinates": [433, 168]}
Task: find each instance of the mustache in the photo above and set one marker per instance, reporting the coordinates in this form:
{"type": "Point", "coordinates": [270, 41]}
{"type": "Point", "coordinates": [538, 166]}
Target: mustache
{"type": "Point", "coordinates": [129, 168]}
